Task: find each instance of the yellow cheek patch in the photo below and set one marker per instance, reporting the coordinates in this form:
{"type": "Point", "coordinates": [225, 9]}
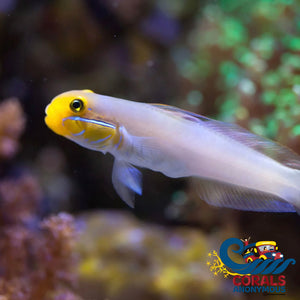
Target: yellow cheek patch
{"type": "Point", "coordinates": [74, 128]}
{"type": "Point", "coordinates": [89, 131]}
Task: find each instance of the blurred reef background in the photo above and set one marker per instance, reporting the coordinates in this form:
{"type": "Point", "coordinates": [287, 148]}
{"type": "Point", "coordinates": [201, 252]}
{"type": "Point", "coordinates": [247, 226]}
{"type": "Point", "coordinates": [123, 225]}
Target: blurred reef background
{"type": "Point", "coordinates": [64, 233]}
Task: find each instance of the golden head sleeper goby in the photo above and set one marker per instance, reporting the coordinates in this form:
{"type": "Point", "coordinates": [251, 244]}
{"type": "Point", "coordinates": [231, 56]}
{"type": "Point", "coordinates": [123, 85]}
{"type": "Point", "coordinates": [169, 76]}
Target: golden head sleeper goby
{"type": "Point", "coordinates": [236, 168]}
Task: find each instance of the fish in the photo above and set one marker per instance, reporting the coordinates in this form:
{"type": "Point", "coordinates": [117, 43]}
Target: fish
{"type": "Point", "coordinates": [234, 167]}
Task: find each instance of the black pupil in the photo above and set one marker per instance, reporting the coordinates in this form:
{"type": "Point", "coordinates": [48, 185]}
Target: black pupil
{"type": "Point", "coordinates": [76, 104]}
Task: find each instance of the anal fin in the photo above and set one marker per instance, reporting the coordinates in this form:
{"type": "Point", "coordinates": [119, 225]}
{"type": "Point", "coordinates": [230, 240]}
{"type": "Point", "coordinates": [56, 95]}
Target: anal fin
{"type": "Point", "coordinates": [226, 195]}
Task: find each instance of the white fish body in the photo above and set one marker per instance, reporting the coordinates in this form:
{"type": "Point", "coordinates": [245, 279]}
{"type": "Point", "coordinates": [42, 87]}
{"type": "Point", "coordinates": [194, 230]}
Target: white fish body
{"type": "Point", "coordinates": [239, 169]}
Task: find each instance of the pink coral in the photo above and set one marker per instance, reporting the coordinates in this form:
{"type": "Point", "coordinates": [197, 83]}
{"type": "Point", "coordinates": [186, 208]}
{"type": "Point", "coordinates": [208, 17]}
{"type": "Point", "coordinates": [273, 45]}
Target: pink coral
{"type": "Point", "coordinates": [12, 123]}
{"type": "Point", "coordinates": [37, 263]}
{"type": "Point", "coordinates": [19, 199]}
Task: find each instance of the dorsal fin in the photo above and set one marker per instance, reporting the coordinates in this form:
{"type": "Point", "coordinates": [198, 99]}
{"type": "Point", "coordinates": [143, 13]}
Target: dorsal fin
{"type": "Point", "coordinates": [263, 145]}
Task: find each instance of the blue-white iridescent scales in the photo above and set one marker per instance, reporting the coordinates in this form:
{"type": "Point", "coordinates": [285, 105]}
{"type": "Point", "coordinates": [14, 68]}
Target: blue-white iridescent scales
{"type": "Point", "coordinates": [237, 168]}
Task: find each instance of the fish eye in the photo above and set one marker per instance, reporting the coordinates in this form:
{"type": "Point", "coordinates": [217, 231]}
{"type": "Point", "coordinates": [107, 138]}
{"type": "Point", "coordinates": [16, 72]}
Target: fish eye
{"type": "Point", "coordinates": [76, 105]}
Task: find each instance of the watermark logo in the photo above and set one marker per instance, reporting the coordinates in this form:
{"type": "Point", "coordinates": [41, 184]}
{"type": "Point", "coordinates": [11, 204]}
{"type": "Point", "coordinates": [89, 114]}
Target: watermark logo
{"type": "Point", "coordinates": [261, 270]}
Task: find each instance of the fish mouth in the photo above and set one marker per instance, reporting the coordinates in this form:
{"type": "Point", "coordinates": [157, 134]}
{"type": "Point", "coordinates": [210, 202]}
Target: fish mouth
{"type": "Point", "coordinates": [46, 115]}
{"type": "Point", "coordinates": [53, 120]}
{"type": "Point", "coordinates": [46, 109]}
{"type": "Point", "coordinates": [46, 120]}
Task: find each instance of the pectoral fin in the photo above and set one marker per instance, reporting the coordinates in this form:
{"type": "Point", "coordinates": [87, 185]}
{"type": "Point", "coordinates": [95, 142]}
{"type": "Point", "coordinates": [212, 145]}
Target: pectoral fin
{"type": "Point", "coordinates": [127, 181]}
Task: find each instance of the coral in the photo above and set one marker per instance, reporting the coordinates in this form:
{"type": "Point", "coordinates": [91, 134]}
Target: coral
{"type": "Point", "coordinates": [59, 237]}
{"type": "Point", "coordinates": [36, 258]}
{"type": "Point", "coordinates": [12, 123]}
{"type": "Point", "coordinates": [19, 200]}
{"type": "Point", "coordinates": [38, 263]}
{"type": "Point", "coordinates": [244, 58]}
{"type": "Point", "coordinates": [123, 258]}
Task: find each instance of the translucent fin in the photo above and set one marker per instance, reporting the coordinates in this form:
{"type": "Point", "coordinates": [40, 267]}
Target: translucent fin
{"type": "Point", "coordinates": [127, 181]}
{"type": "Point", "coordinates": [269, 148]}
{"type": "Point", "coordinates": [145, 148]}
{"type": "Point", "coordinates": [297, 210]}
{"type": "Point", "coordinates": [225, 195]}
{"type": "Point", "coordinates": [181, 113]}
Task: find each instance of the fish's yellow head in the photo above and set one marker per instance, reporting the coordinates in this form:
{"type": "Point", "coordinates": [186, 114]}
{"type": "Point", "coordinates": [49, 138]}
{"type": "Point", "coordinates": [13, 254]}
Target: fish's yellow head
{"type": "Point", "coordinates": [72, 115]}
